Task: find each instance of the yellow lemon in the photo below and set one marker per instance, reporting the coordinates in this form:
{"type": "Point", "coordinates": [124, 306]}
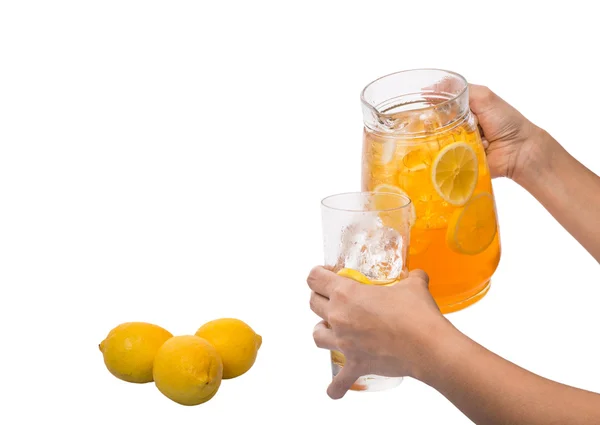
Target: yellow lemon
{"type": "Point", "coordinates": [382, 204]}
{"type": "Point", "coordinates": [454, 173]}
{"type": "Point", "coordinates": [355, 275]}
{"type": "Point", "coordinates": [188, 370]}
{"type": "Point", "coordinates": [236, 343]}
{"type": "Point", "coordinates": [472, 228]}
{"type": "Point", "coordinates": [129, 350]}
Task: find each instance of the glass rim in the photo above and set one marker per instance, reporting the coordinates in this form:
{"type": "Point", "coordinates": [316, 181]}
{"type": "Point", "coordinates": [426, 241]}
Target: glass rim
{"type": "Point", "coordinates": [406, 204]}
{"type": "Point", "coordinates": [406, 71]}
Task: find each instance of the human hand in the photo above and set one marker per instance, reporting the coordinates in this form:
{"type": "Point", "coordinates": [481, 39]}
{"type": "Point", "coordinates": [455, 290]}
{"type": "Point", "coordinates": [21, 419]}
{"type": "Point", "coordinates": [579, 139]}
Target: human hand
{"type": "Point", "coordinates": [510, 139]}
{"type": "Point", "coordinates": [387, 331]}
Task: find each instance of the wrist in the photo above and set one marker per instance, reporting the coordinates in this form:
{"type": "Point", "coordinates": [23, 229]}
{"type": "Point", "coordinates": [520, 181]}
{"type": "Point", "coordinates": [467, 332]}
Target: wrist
{"type": "Point", "coordinates": [438, 345]}
{"type": "Point", "coordinates": [534, 160]}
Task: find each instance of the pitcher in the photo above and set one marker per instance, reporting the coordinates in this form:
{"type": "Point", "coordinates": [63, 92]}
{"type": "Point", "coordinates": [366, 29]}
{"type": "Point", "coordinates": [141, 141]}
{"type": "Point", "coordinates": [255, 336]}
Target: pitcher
{"type": "Point", "coordinates": [421, 140]}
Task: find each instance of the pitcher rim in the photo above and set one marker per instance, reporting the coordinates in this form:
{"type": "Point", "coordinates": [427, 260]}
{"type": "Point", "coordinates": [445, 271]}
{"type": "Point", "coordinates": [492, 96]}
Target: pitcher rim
{"type": "Point", "coordinates": [452, 99]}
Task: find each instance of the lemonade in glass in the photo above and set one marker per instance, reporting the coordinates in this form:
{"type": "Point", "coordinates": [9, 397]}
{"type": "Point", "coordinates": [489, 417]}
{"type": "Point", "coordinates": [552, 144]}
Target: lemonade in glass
{"type": "Point", "coordinates": [421, 140]}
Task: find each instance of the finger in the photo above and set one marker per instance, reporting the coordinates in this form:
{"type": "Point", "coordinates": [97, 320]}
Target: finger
{"type": "Point", "coordinates": [481, 98]}
{"type": "Point", "coordinates": [485, 143]}
{"type": "Point", "coordinates": [421, 275]}
{"type": "Point", "coordinates": [322, 281]}
{"type": "Point", "coordinates": [324, 337]}
{"type": "Point", "coordinates": [342, 382]}
{"type": "Point", "coordinates": [318, 304]}
{"type": "Point", "coordinates": [447, 85]}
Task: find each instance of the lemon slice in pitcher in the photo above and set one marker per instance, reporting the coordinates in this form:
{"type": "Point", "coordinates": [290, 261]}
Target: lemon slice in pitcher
{"type": "Point", "coordinates": [454, 173]}
{"type": "Point", "coordinates": [472, 228]}
{"type": "Point", "coordinates": [382, 205]}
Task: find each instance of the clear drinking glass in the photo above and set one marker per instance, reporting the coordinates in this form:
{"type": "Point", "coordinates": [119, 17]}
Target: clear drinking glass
{"type": "Point", "coordinates": [421, 139]}
{"type": "Point", "coordinates": [368, 233]}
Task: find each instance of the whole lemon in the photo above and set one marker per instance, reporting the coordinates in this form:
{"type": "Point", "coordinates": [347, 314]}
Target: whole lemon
{"type": "Point", "coordinates": [129, 350]}
{"type": "Point", "coordinates": [236, 343]}
{"type": "Point", "coordinates": [188, 370]}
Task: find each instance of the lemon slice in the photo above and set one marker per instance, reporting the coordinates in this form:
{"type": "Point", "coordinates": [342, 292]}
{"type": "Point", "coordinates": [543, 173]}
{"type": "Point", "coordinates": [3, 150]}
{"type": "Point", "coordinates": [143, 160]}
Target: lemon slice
{"type": "Point", "coordinates": [355, 275]}
{"type": "Point", "coordinates": [454, 173]}
{"type": "Point", "coordinates": [381, 204]}
{"type": "Point", "coordinates": [472, 228]}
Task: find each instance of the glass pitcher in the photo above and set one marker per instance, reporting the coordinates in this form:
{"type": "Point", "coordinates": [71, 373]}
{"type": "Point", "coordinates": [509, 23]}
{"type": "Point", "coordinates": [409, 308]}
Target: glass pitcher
{"type": "Point", "coordinates": [421, 140]}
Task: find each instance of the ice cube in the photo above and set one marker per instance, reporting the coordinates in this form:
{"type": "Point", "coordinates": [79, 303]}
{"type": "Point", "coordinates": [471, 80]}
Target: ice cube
{"type": "Point", "coordinates": [373, 249]}
{"type": "Point", "coordinates": [431, 120]}
{"type": "Point", "coordinates": [387, 151]}
{"type": "Point", "coordinates": [433, 212]}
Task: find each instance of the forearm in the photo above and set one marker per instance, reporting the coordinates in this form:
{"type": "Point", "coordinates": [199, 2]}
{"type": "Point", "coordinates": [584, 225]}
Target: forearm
{"type": "Point", "coordinates": [567, 189]}
{"type": "Point", "coordinates": [491, 390]}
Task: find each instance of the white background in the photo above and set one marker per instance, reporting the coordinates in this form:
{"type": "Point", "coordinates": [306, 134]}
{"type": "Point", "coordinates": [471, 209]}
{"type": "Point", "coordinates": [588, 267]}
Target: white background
{"type": "Point", "coordinates": [164, 162]}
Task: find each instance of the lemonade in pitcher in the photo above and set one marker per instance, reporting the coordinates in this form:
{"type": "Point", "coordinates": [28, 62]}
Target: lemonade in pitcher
{"type": "Point", "coordinates": [421, 140]}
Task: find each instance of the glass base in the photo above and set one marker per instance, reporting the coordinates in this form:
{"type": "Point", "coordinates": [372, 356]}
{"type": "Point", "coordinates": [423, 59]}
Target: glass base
{"type": "Point", "coordinates": [369, 382]}
{"type": "Point", "coordinates": [450, 308]}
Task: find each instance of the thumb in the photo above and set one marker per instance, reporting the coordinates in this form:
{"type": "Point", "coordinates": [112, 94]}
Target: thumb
{"type": "Point", "coordinates": [420, 275]}
{"type": "Point", "coordinates": [481, 98]}
{"type": "Point", "coordinates": [342, 382]}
